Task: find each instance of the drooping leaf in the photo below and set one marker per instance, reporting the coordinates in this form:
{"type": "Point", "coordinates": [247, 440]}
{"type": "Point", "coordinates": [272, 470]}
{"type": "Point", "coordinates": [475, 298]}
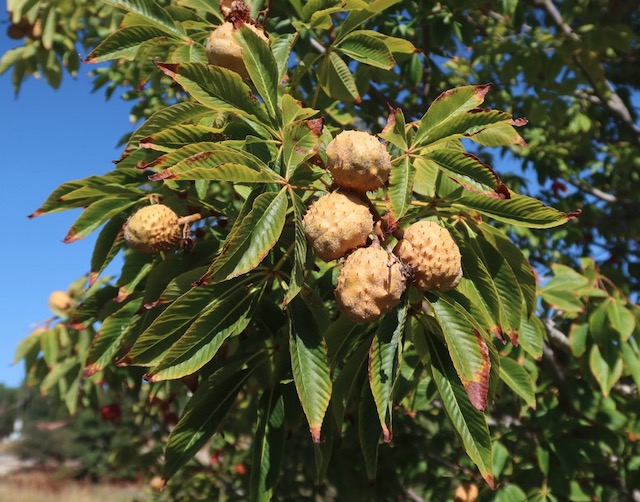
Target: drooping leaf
{"type": "Point", "coordinates": [369, 431]}
{"type": "Point", "coordinates": [310, 365]}
{"type": "Point", "coordinates": [401, 187]}
{"type": "Point", "coordinates": [384, 358]}
{"type": "Point", "coordinates": [468, 421]}
{"type": "Point", "coordinates": [268, 446]}
{"type": "Point", "coordinates": [337, 80]}
{"type": "Point", "coordinates": [223, 318]}
{"type": "Point", "coordinates": [530, 335]}
{"type": "Point", "coordinates": [173, 322]}
{"type": "Point", "coordinates": [606, 366]}
{"type": "Point", "coordinates": [300, 268]}
{"type": "Point", "coordinates": [621, 319]}
{"type": "Point", "coordinates": [95, 215]}
{"type": "Point", "coordinates": [467, 347]}
{"type": "Point", "coordinates": [203, 414]}
{"type": "Point", "coordinates": [112, 332]}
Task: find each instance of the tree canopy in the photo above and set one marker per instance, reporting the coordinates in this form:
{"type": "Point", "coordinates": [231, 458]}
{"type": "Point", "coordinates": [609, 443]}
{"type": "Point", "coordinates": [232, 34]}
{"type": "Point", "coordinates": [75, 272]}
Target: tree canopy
{"type": "Point", "coordinates": [524, 375]}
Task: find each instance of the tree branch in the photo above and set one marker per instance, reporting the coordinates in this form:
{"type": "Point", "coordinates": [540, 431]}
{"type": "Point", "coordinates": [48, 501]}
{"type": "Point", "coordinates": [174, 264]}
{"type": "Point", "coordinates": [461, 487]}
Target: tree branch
{"type": "Point", "coordinates": [612, 102]}
{"type": "Point", "coordinates": [585, 187]}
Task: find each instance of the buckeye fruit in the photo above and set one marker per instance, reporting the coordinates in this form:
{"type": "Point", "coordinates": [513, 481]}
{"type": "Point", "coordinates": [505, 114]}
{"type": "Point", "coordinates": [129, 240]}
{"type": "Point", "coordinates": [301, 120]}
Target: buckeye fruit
{"type": "Point", "coordinates": [432, 255]}
{"type": "Point", "coordinates": [370, 284]}
{"type": "Point", "coordinates": [152, 229]}
{"type": "Point", "coordinates": [337, 223]}
{"type": "Point", "coordinates": [224, 50]}
{"type": "Point", "coordinates": [358, 161]}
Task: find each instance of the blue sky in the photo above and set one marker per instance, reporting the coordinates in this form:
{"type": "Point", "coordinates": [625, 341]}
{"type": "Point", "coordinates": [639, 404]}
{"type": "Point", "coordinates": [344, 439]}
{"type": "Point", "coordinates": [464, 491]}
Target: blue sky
{"type": "Point", "coordinates": [47, 137]}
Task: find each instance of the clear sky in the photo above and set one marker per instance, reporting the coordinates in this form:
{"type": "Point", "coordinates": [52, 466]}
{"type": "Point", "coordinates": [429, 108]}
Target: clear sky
{"type": "Point", "coordinates": [47, 137]}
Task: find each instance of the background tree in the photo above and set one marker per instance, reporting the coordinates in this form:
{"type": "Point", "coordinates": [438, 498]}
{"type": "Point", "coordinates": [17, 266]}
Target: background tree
{"type": "Point", "coordinates": [568, 67]}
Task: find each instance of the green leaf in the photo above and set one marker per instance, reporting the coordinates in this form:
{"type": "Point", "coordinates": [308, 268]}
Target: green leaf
{"type": "Point", "coordinates": [507, 287]}
{"type": "Point", "coordinates": [251, 238]}
{"type": "Point", "coordinates": [226, 316]}
{"type": "Point", "coordinates": [165, 118]}
{"type": "Point", "coordinates": [26, 345]}
{"type": "Point", "coordinates": [150, 10]}
{"type": "Point", "coordinates": [337, 80]}
{"type": "Point", "coordinates": [299, 270]}
{"type": "Point", "coordinates": [447, 105]}
{"type": "Point", "coordinates": [606, 367]}
{"type": "Point", "coordinates": [113, 330]}
{"type": "Point", "coordinates": [172, 323]}
{"type": "Point", "coordinates": [109, 242]}
{"type": "Point", "coordinates": [525, 276]}
{"type": "Point", "coordinates": [369, 431]}
{"type": "Point", "coordinates": [262, 68]}
{"type": "Point", "coordinates": [367, 49]}
{"type": "Point", "coordinates": [468, 421]}
{"type": "Point", "coordinates": [310, 365]}
{"type": "Point", "coordinates": [203, 415]}
{"type": "Point", "coordinates": [518, 380]}
{"type": "Point", "coordinates": [175, 137]}
{"type": "Point", "coordinates": [95, 215]}
{"type": "Point", "coordinates": [395, 130]}
{"type": "Point", "coordinates": [631, 362]}
{"type": "Point", "coordinates": [621, 318]}
{"type": "Point", "coordinates": [384, 360]}
{"type": "Point", "coordinates": [469, 171]}
{"type": "Point", "coordinates": [500, 135]}
{"type": "Point", "coordinates": [467, 347]}
{"type": "Point", "coordinates": [221, 90]}
{"type": "Point", "coordinates": [358, 17]}
{"type": "Point", "coordinates": [483, 283]}
{"type": "Point", "coordinates": [281, 48]}
{"type": "Point", "coordinates": [125, 42]}
{"type": "Point", "coordinates": [519, 210]}
{"type": "Point", "coordinates": [401, 187]}
{"type": "Point", "coordinates": [531, 335]}
{"type": "Point", "coordinates": [268, 447]}
{"type": "Point", "coordinates": [300, 142]}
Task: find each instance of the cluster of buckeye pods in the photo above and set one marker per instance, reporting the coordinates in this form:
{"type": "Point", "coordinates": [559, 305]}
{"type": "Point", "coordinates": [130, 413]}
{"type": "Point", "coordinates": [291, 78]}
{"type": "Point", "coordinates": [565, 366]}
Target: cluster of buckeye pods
{"type": "Point", "coordinates": [341, 224]}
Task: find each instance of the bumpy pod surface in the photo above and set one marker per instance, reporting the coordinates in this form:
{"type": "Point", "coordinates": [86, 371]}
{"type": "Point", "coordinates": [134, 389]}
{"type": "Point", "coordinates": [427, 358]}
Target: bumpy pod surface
{"type": "Point", "coordinates": [370, 284]}
{"type": "Point", "coordinates": [337, 223]}
{"type": "Point", "coordinates": [433, 256]}
{"type": "Point", "coordinates": [152, 229]}
{"type": "Point", "coordinates": [224, 50]}
{"type": "Point", "coordinates": [358, 161]}
{"type": "Point", "coordinates": [60, 301]}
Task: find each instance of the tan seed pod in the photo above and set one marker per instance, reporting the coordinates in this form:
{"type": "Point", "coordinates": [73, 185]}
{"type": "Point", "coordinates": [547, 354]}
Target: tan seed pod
{"type": "Point", "coordinates": [337, 223]}
{"type": "Point", "coordinates": [466, 492]}
{"type": "Point", "coordinates": [224, 50]}
{"type": "Point", "coordinates": [358, 161]}
{"type": "Point", "coordinates": [157, 483]}
{"type": "Point", "coordinates": [60, 301]}
{"type": "Point", "coordinates": [433, 256]}
{"type": "Point", "coordinates": [370, 284]}
{"type": "Point", "coordinates": [152, 229]}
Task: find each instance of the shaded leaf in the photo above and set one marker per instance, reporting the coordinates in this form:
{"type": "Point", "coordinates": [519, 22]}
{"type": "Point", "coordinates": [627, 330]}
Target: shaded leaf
{"type": "Point", "coordinates": [384, 357]}
{"type": "Point", "coordinates": [518, 380]}
{"type": "Point", "coordinates": [367, 49]}
{"type": "Point", "coordinates": [310, 365]}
